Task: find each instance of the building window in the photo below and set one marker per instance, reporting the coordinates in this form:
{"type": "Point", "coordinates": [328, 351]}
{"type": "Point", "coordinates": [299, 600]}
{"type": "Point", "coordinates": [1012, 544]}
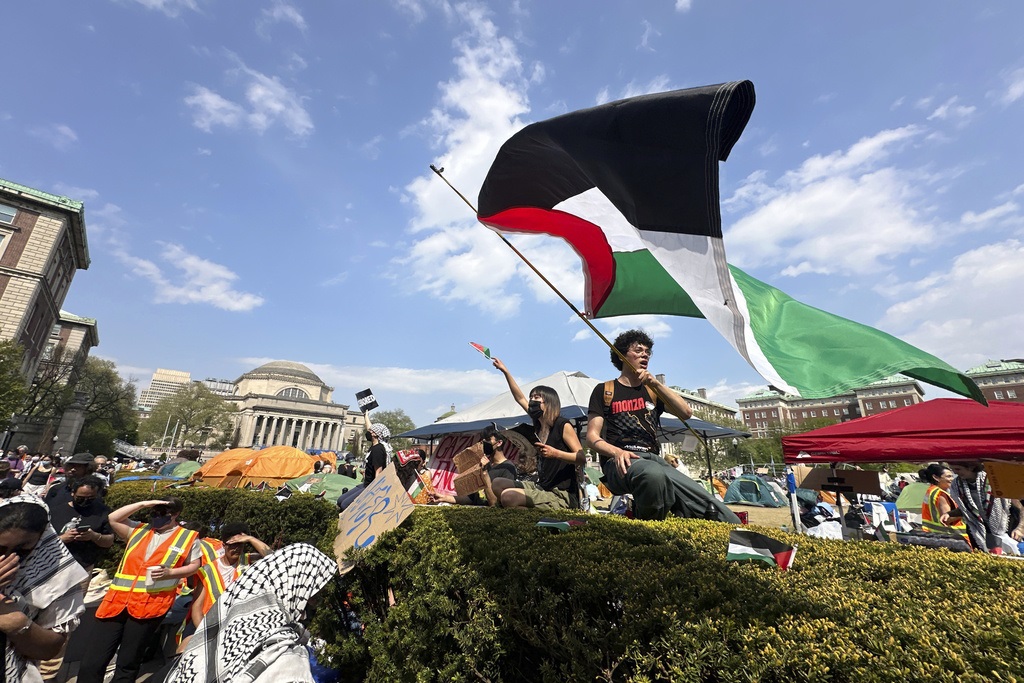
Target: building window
{"type": "Point", "coordinates": [907, 402]}
{"type": "Point", "coordinates": [892, 404]}
{"type": "Point", "coordinates": [1011, 393]}
{"type": "Point", "coordinates": [999, 396]}
{"type": "Point", "coordinates": [293, 392]}
{"type": "Point", "coordinates": [835, 411]}
{"type": "Point", "coordinates": [7, 214]}
{"type": "Point", "coordinates": [803, 413]}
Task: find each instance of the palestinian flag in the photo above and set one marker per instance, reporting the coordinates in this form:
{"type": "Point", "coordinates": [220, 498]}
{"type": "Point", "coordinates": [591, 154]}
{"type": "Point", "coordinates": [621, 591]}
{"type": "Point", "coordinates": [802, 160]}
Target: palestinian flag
{"type": "Point", "coordinates": [747, 545]}
{"type": "Point", "coordinates": [482, 349]}
{"type": "Point", "coordinates": [416, 488]}
{"type": "Point", "coordinates": [632, 186]}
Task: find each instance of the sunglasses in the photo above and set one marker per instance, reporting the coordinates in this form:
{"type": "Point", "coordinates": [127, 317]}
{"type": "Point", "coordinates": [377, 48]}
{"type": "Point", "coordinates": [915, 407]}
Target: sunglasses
{"type": "Point", "coordinates": [235, 546]}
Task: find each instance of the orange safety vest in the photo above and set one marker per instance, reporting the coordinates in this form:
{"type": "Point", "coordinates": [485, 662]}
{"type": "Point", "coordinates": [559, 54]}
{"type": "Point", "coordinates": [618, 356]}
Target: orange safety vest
{"type": "Point", "coordinates": [128, 589]}
{"type": "Point", "coordinates": [209, 549]}
{"type": "Point", "coordinates": [213, 581]}
{"type": "Point", "coordinates": [930, 515]}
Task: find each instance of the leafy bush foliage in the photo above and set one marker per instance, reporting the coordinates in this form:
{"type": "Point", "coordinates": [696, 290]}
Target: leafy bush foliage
{"type": "Point", "coordinates": [485, 595]}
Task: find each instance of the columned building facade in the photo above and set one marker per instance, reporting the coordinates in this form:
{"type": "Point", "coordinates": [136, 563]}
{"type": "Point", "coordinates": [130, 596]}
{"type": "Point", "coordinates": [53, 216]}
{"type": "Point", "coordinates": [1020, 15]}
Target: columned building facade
{"type": "Point", "coordinates": [286, 404]}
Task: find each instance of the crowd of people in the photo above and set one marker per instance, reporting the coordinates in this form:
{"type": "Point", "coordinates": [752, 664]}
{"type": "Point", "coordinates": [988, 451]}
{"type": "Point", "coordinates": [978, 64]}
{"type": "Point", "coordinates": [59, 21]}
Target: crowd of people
{"type": "Point", "coordinates": [54, 526]}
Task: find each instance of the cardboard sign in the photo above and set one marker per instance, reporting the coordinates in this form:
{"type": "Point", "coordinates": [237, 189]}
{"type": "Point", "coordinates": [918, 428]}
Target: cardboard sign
{"type": "Point", "coordinates": [1006, 479]}
{"type": "Point", "coordinates": [849, 481]}
{"type": "Point", "coordinates": [382, 506]}
{"type": "Point", "coordinates": [365, 400]}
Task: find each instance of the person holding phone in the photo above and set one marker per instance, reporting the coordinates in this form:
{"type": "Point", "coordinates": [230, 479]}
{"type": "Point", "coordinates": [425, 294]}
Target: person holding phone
{"type": "Point", "coordinates": [83, 522]}
{"type": "Point", "coordinates": [939, 512]}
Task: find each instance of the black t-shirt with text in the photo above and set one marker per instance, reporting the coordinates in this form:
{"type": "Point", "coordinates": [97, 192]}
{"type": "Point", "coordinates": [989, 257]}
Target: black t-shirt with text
{"type": "Point", "coordinates": [85, 552]}
{"type": "Point", "coordinates": [631, 420]}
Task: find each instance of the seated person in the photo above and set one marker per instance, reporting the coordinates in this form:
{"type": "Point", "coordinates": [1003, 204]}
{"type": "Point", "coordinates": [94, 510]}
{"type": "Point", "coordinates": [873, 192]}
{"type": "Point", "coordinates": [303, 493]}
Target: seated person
{"type": "Point", "coordinates": [495, 465]}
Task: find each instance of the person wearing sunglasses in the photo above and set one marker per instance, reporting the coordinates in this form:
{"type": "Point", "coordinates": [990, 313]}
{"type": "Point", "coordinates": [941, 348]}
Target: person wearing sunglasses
{"type": "Point", "coordinates": [82, 522]}
{"type": "Point", "coordinates": [157, 556]}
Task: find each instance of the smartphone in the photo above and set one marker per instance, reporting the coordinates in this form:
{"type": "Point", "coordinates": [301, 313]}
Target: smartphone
{"type": "Point", "coordinates": [83, 527]}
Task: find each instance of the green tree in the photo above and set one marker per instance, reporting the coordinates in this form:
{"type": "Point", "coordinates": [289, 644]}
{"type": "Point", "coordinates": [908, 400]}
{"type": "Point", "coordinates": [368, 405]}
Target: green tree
{"type": "Point", "coordinates": [109, 402]}
{"type": "Point", "coordinates": [397, 422]}
{"type": "Point", "coordinates": [12, 384]}
{"type": "Point", "coordinates": [200, 415]}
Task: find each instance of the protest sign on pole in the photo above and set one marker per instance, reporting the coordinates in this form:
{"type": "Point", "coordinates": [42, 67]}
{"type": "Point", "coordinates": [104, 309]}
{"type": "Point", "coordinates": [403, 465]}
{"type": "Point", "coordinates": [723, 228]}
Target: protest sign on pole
{"type": "Point", "coordinates": [382, 506]}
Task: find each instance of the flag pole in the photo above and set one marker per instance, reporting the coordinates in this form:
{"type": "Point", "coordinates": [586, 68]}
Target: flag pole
{"type": "Point", "coordinates": [570, 304]}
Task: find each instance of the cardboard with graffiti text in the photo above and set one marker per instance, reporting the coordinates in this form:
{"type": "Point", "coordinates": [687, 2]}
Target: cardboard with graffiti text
{"type": "Point", "coordinates": [382, 506]}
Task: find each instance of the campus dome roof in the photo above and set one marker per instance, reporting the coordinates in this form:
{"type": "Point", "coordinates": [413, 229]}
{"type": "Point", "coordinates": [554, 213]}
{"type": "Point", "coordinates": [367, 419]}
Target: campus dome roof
{"type": "Point", "coordinates": [284, 370]}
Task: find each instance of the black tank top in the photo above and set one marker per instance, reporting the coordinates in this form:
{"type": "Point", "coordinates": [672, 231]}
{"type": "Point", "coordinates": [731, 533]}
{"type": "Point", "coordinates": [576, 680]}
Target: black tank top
{"type": "Point", "coordinates": [558, 474]}
{"type": "Point", "coordinates": [39, 477]}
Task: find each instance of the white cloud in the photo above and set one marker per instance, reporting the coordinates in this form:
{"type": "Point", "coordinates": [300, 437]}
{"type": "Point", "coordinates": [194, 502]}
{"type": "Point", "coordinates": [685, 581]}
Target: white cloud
{"type": "Point", "coordinates": [75, 192]}
{"type": "Point", "coordinates": [58, 135]}
{"type": "Point", "coordinates": [724, 392]}
{"type": "Point", "coordinates": [1014, 86]}
{"type": "Point", "coordinates": [200, 281]}
{"type": "Point", "coordinates": [836, 213]}
{"type": "Point", "coordinates": [413, 8]}
{"type": "Point", "coordinates": [993, 214]}
{"type": "Point", "coordinates": [683, 5]}
{"type": "Point", "coordinates": [962, 315]}
{"type": "Point", "coordinates": [655, 326]}
{"type": "Point", "coordinates": [281, 12]}
{"type": "Point", "coordinates": [335, 280]}
{"type": "Point", "coordinates": [633, 89]}
{"type": "Point", "coordinates": [269, 102]}
{"type": "Point", "coordinates": [371, 148]}
{"type": "Point", "coordinates": [210, 109]}
{"type": "Point", "coordinates": [169, 7]}
{"type": "Point", "coordinates": [399, 380]}
{"type": "Point", "coordinates": [649, 33]}
{"type": "Point", "coordinates": [951, 111]}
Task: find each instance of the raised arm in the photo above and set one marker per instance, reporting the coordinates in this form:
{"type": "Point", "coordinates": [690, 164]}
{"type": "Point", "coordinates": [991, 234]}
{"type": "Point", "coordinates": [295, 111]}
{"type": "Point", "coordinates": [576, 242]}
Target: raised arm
{"type": "Point", "coordinates": [674, 403]}
{"type": "Point", "coordinates": [517, 393]}
{"type": "Point", "coordinates": [119, 518]}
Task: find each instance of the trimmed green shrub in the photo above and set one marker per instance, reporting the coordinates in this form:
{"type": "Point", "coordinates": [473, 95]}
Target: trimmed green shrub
{"type": "Point", "coordinates": [483, 594]}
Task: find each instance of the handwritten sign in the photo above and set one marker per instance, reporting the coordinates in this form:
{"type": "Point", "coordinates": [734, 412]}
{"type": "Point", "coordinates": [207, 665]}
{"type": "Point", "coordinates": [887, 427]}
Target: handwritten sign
{"type": "Point", "coordinates": [1006, 479]}
{"type": "Point", "coordinates": [365, 400]}
{"type": "Point", "coordinates": [382, 506]}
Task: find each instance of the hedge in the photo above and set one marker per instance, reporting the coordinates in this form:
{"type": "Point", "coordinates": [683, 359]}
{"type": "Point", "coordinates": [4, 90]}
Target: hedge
{"type": "Point", "coordinates": [484, 595]}
{"type": "Point", "coordinates": [476, 594]}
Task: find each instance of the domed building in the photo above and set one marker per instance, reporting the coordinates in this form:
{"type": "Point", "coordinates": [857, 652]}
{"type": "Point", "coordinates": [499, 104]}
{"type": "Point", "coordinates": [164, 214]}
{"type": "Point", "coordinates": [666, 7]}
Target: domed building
{"type": "Point", "coordinates": [282, 403]}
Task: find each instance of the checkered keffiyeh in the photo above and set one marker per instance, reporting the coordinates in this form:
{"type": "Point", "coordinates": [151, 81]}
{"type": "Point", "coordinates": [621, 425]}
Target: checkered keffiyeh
{"type": "Point", "coordinates": [257, 620]}
{"type": "Point", "coordinates": [46, 575]}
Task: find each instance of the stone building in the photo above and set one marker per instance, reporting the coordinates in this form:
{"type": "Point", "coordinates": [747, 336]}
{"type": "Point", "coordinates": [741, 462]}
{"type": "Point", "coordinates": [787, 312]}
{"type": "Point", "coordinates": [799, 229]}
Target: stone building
{"type": "Point", "coordinates": [42, 245]}
{"type": "Point", "coordinates": [286, 403]}
{"type": "Point", "coordinates": [1000, 380]}
{"type": "Point", "coordinates": [163, 384]}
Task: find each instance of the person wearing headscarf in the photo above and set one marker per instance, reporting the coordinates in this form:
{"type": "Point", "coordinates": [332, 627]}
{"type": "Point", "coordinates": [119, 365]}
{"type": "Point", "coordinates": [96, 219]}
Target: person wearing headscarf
{"type": "Point", "coordinates": [377, 459]}
{"type": "Point", "coordinates": [255, 632]}
{"type": "Point", "coordinates": [41, 588]}
{"type": "Point", "coordinates": [986, 515]}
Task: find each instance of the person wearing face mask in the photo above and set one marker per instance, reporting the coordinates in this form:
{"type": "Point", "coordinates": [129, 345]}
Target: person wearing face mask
{"type": "Point", "coordinates": [376, 460]}
{"type": "Point", "coordinates": [560, 456]}
{"type": "Point", "coordinates": [77, 466]}
{"type": "Point", "coordinates": [17, 460]}
{"type": "Point", "coordinates": [157, 556]}
{"type": "Point", "coordinates": [83, 522]}
{"type": "Point", "coordinates": [497, 467]}
{"type": "Point", "coordinates": [38, 476]}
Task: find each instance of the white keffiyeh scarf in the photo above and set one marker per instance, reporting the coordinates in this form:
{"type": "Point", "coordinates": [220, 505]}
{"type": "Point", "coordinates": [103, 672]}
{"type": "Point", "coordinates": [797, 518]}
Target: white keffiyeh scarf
{"type": "Point", "coordinates": [47, 574]}
{"type": "Point", "coordinates": [256, 622]}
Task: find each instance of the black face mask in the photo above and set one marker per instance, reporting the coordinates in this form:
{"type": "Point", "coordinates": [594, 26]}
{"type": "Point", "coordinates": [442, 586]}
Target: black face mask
{"type": "Point", "coordinates": [534, 410]}
{"type": "Point", "coordinates": [368, 436]}
{"type": "Point", "coordinates": [488, 448]}
{"type": "Point", "coordinates": [81, 504]}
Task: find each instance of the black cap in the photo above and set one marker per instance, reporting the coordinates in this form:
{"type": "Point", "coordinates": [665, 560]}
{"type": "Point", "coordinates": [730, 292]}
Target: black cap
{"type": "Point", "coordinates": [80, 459]}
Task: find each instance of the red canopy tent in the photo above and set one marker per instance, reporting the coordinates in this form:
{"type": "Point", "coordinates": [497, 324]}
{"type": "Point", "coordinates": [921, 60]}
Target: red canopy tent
{"type": "Point", "coordinates": [946, 429]}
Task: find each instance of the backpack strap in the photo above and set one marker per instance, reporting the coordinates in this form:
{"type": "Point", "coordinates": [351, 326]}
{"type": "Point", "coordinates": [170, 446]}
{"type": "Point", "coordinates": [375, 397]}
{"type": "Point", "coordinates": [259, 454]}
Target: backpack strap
{"type": "Point", "coordinates": [609, 392]}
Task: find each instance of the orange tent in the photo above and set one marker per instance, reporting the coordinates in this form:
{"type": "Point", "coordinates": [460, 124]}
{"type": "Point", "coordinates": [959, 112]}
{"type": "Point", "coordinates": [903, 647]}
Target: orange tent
{"type": "Point", "coordinates": [241, 466]}
{"type": "Point", "coordinates": [329, 457]}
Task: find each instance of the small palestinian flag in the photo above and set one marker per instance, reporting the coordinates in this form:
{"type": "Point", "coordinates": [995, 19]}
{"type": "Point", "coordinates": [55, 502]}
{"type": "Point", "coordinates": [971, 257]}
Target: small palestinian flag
{"type": "Point", "coordinates": [416, 488]}
{"type": "Point", "coordinates": [747, 545]}
{"type": "Point", "coordinates": [482, 349]}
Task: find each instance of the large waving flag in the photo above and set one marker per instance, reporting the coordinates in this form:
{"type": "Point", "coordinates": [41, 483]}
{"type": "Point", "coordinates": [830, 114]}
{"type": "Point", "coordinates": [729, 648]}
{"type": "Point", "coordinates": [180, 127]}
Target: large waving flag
{"type": "Point", "coordinates": [632, 186]}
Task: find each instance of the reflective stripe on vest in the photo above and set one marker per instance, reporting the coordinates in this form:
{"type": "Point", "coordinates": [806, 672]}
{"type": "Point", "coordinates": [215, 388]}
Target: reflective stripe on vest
{"type": "Point", "coordinates": [213, 582]}
{"type": "Point", "coordinates": [172, 557]}
{"type": "Point", "coordinates": [930, 516]}
{"type": "Point", "coordinates": [210, 548]}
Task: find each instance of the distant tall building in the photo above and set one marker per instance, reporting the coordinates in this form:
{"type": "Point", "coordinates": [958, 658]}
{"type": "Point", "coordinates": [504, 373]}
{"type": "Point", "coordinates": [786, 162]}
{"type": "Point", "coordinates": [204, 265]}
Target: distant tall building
{"type": "Point", "coordinates": [1000, 380]}
{"type": "Point", "coordinates": [221, 387]}
{"type": "Point", "coordinates": [165, 383]}
{"type": "Point", "coordinates": [42, 245]}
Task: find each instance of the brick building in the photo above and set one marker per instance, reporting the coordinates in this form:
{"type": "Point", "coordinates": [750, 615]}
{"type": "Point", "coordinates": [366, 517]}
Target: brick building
{"type": "Point", "coordinates": [767, 409]}
{"type": "Point", "coordinates": [42, 245]}
{"type": "Point", "coordinates": [1000, 380]}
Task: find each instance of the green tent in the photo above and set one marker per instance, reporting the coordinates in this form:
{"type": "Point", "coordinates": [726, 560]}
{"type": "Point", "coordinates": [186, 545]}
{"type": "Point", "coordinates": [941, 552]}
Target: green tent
{"type": "Point", "coordinates": [912, 496]}
{"type": "Point", "coordinates": [750, 489]}
{"type": "Point", "coordinates": [315, 483]}
{"type": "Point", "coordinates": [185, 469]}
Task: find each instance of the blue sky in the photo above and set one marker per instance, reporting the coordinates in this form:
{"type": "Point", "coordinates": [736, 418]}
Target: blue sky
{"type": "Point", "coordinates": [257, 186]}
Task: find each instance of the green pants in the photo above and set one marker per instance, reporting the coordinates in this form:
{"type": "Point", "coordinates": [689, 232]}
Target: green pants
{"type": "Point", "coordinates": [659, 489]}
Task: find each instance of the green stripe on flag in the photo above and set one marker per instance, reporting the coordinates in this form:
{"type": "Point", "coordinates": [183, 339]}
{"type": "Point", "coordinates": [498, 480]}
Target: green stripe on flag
{"type": "Point", "coordinates": [642, 284]}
